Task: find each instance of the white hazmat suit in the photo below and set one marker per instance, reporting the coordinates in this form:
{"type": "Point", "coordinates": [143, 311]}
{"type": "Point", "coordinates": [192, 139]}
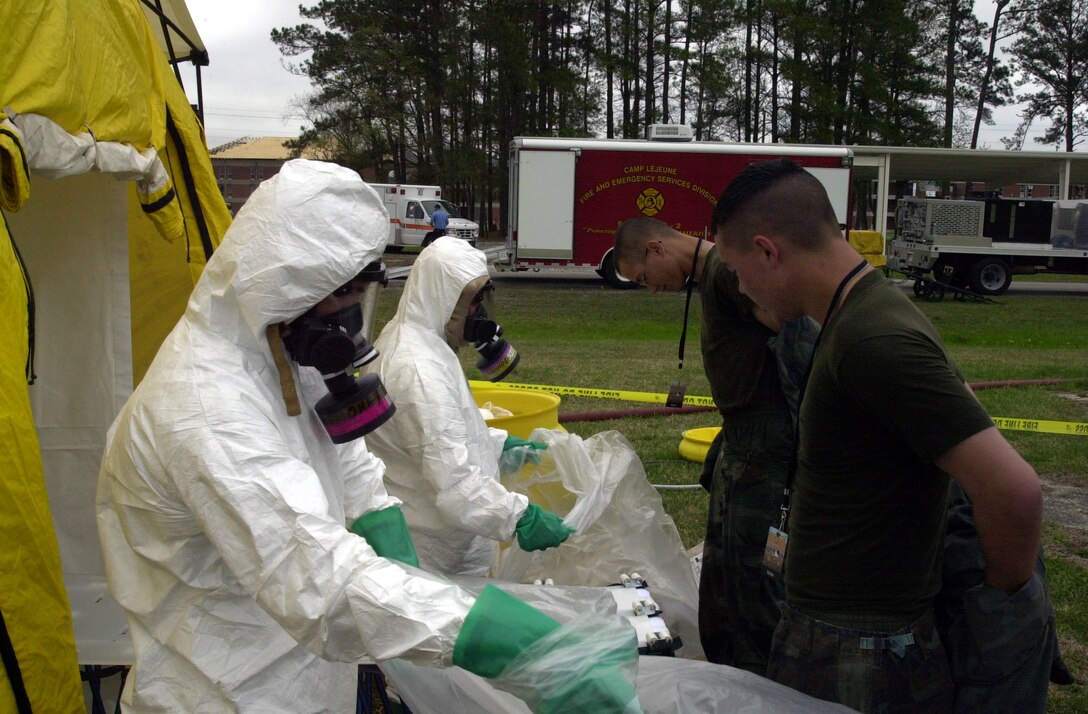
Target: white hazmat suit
{"type": "Point", "coordinates": [441, 457]}
{"type": "Point", "coordinates": [224, 521]}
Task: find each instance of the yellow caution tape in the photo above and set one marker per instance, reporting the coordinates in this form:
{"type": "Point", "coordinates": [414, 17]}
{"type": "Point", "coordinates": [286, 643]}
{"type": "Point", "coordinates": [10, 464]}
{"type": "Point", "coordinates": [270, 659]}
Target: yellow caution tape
{"type": "Point", "coordinates": [1042, 425]}
{"type": "Point", "coordinates": [650, 397]}
{"type": "Point", "coordinates": [1009, 424]}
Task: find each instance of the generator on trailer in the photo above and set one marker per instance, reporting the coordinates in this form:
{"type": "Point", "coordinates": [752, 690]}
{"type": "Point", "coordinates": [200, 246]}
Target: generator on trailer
{"type": "Point", "coordinates": [410, 209]}
{"type": "Point", "coordinates": [568, 196]}
{"type": "Point", "coordinates": [978, 245]}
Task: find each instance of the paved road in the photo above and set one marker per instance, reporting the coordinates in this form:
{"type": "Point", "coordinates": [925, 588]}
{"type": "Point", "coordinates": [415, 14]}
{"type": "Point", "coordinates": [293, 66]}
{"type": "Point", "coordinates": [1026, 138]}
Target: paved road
{"type": "Point", "coordinates": [400, 263]}
{"type": "Point", "coordinates": [589, 280]}
{"type": "Point", "coordinates": [1027, 287]}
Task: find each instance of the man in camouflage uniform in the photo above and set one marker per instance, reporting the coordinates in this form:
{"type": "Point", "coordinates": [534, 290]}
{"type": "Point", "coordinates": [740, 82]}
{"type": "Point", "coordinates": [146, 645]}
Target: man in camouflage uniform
{"type": "Point", "coordinates": [745, 467]}
{"type": "Point", "coordinates": [868, 504]}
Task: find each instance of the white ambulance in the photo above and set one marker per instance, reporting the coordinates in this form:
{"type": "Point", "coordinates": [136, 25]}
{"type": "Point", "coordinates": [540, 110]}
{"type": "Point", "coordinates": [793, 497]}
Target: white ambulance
{"type": "Point", "coordinates": [410, 208]}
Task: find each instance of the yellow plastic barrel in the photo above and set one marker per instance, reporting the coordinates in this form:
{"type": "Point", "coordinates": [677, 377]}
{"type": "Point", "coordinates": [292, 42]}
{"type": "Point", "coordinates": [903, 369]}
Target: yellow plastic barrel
{"type": "Point", "coordinates": [531, 409]}
{"type": "Point", "coordinates": [696, 442]}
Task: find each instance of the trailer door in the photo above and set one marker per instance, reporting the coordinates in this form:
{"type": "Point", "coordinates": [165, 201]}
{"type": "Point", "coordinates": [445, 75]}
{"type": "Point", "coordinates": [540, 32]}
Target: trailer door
{"type": "Point", "coordinates": [837, 184]}
{"type": "Point", "coordinates": [545, 217]}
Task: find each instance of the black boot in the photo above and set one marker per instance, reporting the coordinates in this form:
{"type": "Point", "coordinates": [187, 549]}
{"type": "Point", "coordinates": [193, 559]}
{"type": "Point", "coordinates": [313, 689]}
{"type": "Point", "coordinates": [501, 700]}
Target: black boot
{"type": "Point", "coordinates": [1059, 672]}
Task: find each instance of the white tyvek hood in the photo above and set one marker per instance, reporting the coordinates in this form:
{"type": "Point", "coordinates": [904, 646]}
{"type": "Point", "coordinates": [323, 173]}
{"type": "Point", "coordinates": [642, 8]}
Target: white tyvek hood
{"type": "Point", "coordinates": [441, 458]}
{"type": "Point", "coordinates": [223, 519]}
{"type": "Point", "coordinates": [438, 277]}
{"type": "Point", "coordinates": [301, 235]}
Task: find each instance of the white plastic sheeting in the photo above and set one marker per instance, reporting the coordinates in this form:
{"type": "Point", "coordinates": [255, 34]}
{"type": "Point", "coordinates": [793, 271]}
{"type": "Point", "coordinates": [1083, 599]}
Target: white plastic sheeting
{"type": "Point", "coordinates": [51, 152]}
{"type": "Point", "coordinates": [621, 526]}
{"type": "Point", "coordinates": [666, 685]}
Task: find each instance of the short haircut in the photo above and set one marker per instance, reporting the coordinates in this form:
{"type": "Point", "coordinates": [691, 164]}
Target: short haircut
{"type": "Point", "coordinates": [777, 197]}
{"type": "Point", "coordinates": [632, 236]}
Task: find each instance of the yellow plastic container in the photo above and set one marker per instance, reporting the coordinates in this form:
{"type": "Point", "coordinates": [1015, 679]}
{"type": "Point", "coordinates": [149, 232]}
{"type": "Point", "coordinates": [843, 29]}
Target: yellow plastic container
{"type": "Point", "coordinates": [696, 442]}
{"type": "Point", "coordinates": [531, 409]}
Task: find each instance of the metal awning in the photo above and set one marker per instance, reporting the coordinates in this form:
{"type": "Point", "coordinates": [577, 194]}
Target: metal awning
{"type": "Point", "coordinates": [888, 165]}
{"type": "Point", "coordinates": [995, 168]}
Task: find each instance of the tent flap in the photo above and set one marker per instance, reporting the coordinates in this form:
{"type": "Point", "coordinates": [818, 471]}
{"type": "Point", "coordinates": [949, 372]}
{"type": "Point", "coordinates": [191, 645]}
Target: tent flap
{"type": "Point", "coordinates": [85, 89]}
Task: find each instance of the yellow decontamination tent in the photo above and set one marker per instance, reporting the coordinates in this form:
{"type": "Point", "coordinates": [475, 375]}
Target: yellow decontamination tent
{"type": "Point", "coordinates": [110, 211]}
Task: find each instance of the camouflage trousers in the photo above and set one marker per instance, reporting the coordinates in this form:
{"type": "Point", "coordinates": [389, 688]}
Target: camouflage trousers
{"type": "Point", "coordinates": [1000, 645]}
{"type": "Point", "coordinates": [738, 603]}
{"type": "Point", "coordinates": [905, 670]}
{"type": "Point", "coordinates": [1001, 650]}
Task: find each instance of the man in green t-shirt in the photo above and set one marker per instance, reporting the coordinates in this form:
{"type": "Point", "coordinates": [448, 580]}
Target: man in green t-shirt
{"type": "Point", "coordinates": [885, 420]}
{"type": "Point", "coordinates": [746, 467]}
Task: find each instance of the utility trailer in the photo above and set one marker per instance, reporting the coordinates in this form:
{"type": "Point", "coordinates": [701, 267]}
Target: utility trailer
{"type": "Point", "coordinates": [568, 196]}
{"type": "Point", "coordinates": [974, 247]}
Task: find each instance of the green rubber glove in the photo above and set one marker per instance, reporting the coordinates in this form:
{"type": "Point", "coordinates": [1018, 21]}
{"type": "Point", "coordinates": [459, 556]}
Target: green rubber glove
{"type": "Point", "coordinates": [539, 528]}
{"type": "Point", "coordinates": [496, 629]}
{"type": "Point", "coordinates": [569, 669]}
{"type": "Point", "coordinates": [387, 532]}
{"type": "Point", "coordinates": [516, 441]}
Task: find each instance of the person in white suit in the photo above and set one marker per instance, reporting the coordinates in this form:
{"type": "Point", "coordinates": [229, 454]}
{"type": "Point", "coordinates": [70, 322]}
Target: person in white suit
{"type": "Point", "coordinates": [442, 459]}
{"type": "Point", "coordinates": [245, 546]}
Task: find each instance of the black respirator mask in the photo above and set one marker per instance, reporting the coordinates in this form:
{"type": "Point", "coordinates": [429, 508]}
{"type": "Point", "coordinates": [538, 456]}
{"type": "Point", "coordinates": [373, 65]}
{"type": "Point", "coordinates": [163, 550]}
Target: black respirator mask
{"type": "Point", "coordinates": [497, 356]}
{"type": "Point", "coordinates": [336, 345]}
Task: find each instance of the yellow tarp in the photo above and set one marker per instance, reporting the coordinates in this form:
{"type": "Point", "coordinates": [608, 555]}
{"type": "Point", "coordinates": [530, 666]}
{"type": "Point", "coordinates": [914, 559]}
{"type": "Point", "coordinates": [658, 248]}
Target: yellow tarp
{"type": "Point", "coordinates": [871, 246]}
{"type": "Point", "coordinates": [94, 69]}
{"type": "Point", "coordinates": [87, 65]}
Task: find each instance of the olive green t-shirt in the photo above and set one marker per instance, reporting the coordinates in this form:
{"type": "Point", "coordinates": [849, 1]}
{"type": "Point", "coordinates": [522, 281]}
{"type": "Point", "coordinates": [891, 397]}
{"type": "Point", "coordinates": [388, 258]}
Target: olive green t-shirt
{"type": "Point", "coordinates": [741, 368]}
{"type": "Point", "coordinates": [868, 508]}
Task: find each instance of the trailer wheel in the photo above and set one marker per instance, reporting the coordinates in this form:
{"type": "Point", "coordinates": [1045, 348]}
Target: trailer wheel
{"type": "Point", "coordinates": [613, 278]}
{"type": "Point", "coordinates": [957, 278]}
{"type": "Point", "coordinates": [990, 276]}
{"type": "Point", "coordinates": [933, 292]}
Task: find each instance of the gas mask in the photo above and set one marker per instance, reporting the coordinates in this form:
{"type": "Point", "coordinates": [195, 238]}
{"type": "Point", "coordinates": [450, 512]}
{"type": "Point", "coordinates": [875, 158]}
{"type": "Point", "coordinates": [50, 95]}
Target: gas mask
{"type": "Point", "coordinates": [335, 344]}
{"type": "Point", "coordinates": [497, 356]}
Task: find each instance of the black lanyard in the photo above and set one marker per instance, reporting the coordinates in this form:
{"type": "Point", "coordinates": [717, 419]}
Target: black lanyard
{"type": "Point", "coordinates": [687, 302]}
{"type": "Point", "coordinates": [804, 384]}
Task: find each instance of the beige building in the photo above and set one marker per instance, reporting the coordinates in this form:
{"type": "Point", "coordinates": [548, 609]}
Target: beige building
{"type": "Point", "coordinates": [241, 165]}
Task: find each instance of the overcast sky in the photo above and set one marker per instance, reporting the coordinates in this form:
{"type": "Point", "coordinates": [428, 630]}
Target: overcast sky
{"type": "Point", "coordinates": [248, 91]}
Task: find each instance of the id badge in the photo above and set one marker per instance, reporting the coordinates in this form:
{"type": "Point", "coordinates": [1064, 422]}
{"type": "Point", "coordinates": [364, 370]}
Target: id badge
{"type": "Point", "coordinates": [675, 399]}
{"type": "Point", "coordinates": [774, 554]}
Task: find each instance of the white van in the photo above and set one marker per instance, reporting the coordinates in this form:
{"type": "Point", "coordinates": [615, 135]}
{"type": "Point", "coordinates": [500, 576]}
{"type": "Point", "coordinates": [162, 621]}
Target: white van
{"type": "Point", "coordinates": [410, 208]}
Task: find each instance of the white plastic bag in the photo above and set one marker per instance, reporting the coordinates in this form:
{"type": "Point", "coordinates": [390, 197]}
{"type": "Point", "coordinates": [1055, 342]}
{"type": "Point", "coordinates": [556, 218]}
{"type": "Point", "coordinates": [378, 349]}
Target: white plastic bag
{"type": "Point", "coordinates": [427, 690]}
{"type": "Point", "coordinates": [665, 685]}
{"type": "Point", "coordinates": [600, 488]}
{"type": "Point", "coordinates": [490, 410]}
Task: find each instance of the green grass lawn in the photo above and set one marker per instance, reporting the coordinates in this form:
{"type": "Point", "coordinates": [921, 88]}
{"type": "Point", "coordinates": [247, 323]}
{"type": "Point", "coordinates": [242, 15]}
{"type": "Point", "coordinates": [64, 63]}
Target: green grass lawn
{"type": "Point", "coordinates": [627, 340]}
